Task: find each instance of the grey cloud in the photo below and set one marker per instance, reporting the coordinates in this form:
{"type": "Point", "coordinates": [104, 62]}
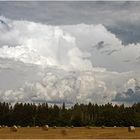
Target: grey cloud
{"type": "Point", "coordinates": [14, 74]}
{"type": "Point", "coordinates": [92, 12]}
{"type": "Point", "coordinates": [127, 32]}
{"type": "Point", "coordinates": [100, 45]}
{"type": "Point", "coordinates": [138, 58]}
{"type": "Point", "coordinates": [3, 26]}
{"type": "Point", "coordinates": [2, 23]}
{"type": "Point", "coordinates": [67, 12]}
{"type": "Point", "coordinates": [112, 51]}
{"type": "Point", "coordinates": [55, 84]}
{"type": "Point", "coordinates": [127, 61]}
{"type": "Point", "coordinates": [130, 96]}
{"type": "Point", "coordinates": [109, 52]}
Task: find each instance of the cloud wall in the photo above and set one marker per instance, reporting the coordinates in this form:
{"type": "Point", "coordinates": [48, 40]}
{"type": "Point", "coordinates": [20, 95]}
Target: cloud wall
{"type": "Point", "coordinates": [73, 63]}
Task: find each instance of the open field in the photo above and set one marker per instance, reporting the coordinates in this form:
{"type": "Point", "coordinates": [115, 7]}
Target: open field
{"type": "Point", "coordinates": [71, 133]}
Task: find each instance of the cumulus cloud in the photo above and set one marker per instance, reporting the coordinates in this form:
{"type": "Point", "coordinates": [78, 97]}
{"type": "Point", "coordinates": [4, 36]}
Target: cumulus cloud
{"type": "Point", "coordinates": [131, 94]}
{"type": "Point", "coordinates": [71, 12]}
{"type": "Point", "coordinates": [41, 44]}
{"type": "Point", "coordinates": [58, 85]}
{"type": "Point", "coordinates": [73, 63]}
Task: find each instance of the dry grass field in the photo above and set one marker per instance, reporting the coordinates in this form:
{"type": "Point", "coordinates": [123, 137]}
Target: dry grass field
{"type": "Point", "coordinates": [69, 133]}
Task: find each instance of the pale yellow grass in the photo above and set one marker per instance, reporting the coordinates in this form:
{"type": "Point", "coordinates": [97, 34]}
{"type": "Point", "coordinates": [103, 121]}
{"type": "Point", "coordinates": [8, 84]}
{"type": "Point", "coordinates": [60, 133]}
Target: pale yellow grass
{"type": "Point", "coordinates": [71, 133]}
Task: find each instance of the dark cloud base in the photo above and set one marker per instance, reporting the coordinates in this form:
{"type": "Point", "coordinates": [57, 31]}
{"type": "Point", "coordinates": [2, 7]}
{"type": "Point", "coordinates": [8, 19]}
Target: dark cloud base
{"type": "Point", "coordinates": [130, 96]}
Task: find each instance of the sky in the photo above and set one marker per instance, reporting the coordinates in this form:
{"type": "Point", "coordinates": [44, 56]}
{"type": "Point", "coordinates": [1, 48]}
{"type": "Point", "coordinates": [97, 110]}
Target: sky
{"type": "Point", "coordinates": [70, 52]}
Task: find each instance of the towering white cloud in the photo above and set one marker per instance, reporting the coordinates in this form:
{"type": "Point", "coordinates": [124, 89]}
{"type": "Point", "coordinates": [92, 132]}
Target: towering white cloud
{"type": "Point", "coordinates": [76, 63]}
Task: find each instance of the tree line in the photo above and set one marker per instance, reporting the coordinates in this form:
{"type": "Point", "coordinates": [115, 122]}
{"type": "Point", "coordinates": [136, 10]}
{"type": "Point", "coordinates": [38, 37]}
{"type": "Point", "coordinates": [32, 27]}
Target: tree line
{"type": "Point", "coordinates": [25, 114]}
